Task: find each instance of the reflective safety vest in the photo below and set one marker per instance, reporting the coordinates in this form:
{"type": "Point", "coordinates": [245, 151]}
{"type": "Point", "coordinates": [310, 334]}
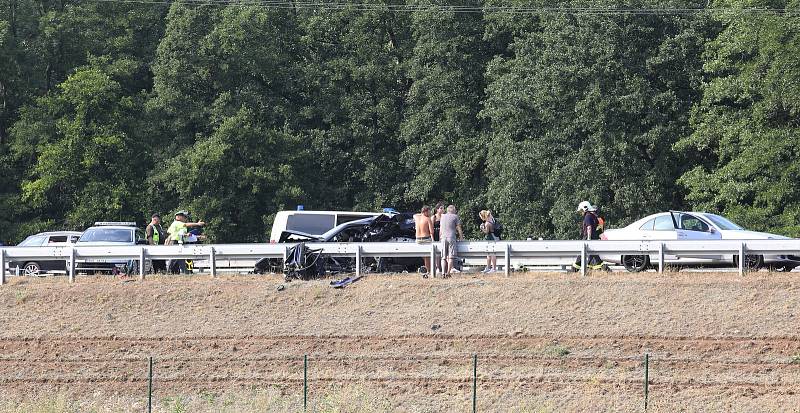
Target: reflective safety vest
{"type": "Point", "coordinates": [156, 234]}
{"type": "Point", "coordinates": [177, 231]}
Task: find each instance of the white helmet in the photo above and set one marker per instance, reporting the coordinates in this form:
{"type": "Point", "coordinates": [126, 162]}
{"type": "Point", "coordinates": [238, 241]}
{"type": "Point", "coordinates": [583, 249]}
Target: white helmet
{"type": "Point", "coordinates": [585, 206]}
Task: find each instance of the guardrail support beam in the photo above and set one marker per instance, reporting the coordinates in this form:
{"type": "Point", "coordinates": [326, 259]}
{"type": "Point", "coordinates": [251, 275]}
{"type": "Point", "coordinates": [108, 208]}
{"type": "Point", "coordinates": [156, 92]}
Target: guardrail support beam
{"type": "Point", "coordinates": [741, 259]}
{"type": "Point", "coordinates": [2, 266]}
{"type": "Point", "coordinates": [507, 259]}
{"type": "Point", "coordinates": [213, 262]}
{"type": "Point", "coordinates": [660, 258]}
{"type": "Point", "coordinates": [358, 261]}
{"type": "Point", "coordinates": [432, 270]}
{"type": "Point", "coordinates": [583, 259]}
{"type": "Point", "coordinates": [141, 264]}
{"type": "Point", "coordinates": [72, 265]}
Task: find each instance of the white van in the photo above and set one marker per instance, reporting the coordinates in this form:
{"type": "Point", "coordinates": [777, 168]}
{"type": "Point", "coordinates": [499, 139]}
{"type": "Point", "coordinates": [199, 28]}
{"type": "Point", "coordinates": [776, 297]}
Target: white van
{"type": "Point", "coordinates": [312, 222]}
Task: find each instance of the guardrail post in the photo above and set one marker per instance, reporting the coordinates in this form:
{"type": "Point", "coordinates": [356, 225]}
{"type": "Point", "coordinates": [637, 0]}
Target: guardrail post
{"type": "Point", "coordinates": [2, 266]}
{"type": "Point", "coordinates": [583, 259]}
{"type": "Point", "coordinates": [432, 270]}
{"type": "Point", "coordinates": [741, 258]}
{"type": "Point", "coordinates": [660, 258]}
{"type": "Point", "coordinates": [72, 265]}
{"type": "Point", "coordinates": [213, 261]}
{"type": "Point", "coordinates": [507, 259]}
{"type": "Point", "coordinates": [141, 264]}
{"type": "Point", "coordinates": [358, 260]}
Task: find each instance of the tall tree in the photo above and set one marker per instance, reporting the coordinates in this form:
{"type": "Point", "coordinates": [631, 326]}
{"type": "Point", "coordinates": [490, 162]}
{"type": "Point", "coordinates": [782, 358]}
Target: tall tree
{"type": "Point", "coordinates": [587, 107]}
{"type": "Point", "coordinates": [446, 150]}
{"type": "Point", "coordinates": [747, 125]}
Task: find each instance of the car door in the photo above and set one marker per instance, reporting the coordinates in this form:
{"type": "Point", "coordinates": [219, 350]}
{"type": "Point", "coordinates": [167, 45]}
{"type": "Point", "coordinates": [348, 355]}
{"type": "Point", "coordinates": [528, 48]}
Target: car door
{"type": "Point", "coordinates": [55, 240]}
{"type": "Point", "coordinates": [660, 228]}
{"type": "Point", "coordinates": [692, 228]}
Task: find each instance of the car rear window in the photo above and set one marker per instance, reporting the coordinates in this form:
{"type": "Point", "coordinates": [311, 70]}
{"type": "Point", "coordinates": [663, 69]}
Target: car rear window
{"type": "Point", "coordinates": [33, 241]}
{"type": "Point", "coordinates": [107, 235]}
{"type": "Point", "coordinates": [664, 223]}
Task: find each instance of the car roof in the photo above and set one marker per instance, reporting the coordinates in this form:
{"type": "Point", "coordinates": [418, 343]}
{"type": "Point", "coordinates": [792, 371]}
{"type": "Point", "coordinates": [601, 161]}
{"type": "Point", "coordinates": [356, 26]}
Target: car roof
{"type": "Point", "coordinates": [57, 233]}
{"type": "Point", "coordinates": [111, 227]}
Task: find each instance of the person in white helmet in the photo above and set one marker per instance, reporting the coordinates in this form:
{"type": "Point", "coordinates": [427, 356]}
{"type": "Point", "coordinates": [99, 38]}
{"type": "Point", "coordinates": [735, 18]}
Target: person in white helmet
{"type": "Point", "coordinates": [589, 231]}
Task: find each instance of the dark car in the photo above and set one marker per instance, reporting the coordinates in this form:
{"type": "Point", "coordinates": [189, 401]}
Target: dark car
{"type": "Point", "coordinates": [381, 228]}
{"type": "Point", "coordinates": [42, 266]}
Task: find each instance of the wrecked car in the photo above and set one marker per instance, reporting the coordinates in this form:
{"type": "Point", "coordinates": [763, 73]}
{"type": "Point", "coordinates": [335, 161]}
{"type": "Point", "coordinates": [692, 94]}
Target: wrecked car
{"type": "Point", "coordinates": [382, 228]}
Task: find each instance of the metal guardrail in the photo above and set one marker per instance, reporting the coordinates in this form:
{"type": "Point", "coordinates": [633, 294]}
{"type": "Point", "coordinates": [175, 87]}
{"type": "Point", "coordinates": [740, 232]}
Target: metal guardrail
{"type": "Point", "coordinates": [550, 250]}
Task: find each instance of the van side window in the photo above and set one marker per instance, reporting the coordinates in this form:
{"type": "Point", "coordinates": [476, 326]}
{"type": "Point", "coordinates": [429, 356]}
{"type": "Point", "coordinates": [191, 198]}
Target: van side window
{"type": "Point", "coordinates": [314, 224]}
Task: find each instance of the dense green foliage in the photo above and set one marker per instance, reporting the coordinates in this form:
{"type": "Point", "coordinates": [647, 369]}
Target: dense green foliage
{"type": "Point", "coordinates": [115, 110]}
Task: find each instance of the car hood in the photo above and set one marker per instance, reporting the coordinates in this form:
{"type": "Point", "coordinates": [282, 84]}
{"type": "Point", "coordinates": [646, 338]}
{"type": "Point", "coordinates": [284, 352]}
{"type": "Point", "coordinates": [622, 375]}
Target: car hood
{"type": "Point", "coordinates": [744, 234]}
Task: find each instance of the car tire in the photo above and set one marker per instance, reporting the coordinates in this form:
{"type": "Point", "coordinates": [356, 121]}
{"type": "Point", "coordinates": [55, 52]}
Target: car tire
{"type": "Point", "coordinates": [31, 269]}
{"type": "Point", "coordinates": [751, 262]}
{"type": "Point", "coordinates": [635, 263]}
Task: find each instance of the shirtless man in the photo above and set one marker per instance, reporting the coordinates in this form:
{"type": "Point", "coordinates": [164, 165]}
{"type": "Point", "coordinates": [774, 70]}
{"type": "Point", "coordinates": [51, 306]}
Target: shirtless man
{"type": "Point", "coordinates": [424, 227]}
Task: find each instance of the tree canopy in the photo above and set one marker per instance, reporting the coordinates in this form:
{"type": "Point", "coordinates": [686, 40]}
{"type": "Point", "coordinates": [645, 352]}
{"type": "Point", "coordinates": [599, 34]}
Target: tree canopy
{"type": "Point", "coordinates": [115, 110]}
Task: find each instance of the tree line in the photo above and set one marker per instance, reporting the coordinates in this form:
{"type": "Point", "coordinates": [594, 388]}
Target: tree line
{"type": "Point", "coordinates": [235, 110]}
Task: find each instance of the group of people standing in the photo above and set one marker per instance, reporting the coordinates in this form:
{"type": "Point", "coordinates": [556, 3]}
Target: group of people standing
{"type": "Point", "coordinates": [181, 231]}
{"type": "Point", "coordinates": [444, 225]}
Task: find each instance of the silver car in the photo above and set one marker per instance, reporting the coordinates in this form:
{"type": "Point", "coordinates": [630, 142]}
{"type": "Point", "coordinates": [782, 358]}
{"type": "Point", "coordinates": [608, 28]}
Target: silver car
{"type": "Point", "coordinates": [678, 225]}
{"type": "Point", "coordinates": [109, 234]}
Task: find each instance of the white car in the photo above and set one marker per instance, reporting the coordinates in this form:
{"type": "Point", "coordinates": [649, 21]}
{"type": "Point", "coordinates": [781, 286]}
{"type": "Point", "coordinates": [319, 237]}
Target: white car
{"type": "Point", "coordinates": [109, 234]}
{"type": "Point", "coordinates": [677, 225]}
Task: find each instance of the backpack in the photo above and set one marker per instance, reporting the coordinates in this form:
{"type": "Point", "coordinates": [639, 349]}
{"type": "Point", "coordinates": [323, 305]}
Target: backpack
{"type": "Point", "coordinates": [498, 228]}
{"type": "Point", "coordinates": [601, 224]}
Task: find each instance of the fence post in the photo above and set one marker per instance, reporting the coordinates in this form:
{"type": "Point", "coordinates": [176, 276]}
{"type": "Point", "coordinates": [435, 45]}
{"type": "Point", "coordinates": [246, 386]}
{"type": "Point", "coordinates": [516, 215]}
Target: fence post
{"type": "Point", "coordinates": [660, 257]}
{"type": "Point", "coordinates": [150, 386]}
{"type": "Point", "coordinates": [2, 266]}
{"type": "Point", "coordinates": [358, 260]}
{"type": "Point", "coordinates": [474, 383]}
{"type": "Point", "coordinates": [141, 264]}
{"type": "Point", "coordinates": [583, 259]}
{"type": "Point", "coordinates": [305, 382]}
{"type": "Point", "coordinates": [72, 265]}
{"type": "Point", "coordinates": [741, 258]}
{"type": "Point", "coordinates": [646, 378]}
{"type": "Point", "coordinates": [507, 260]}
{"type": "Point", "coordinates": [213, 261]}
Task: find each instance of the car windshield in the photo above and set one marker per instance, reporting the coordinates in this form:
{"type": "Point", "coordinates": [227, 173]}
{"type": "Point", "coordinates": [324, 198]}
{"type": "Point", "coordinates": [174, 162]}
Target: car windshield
{"type": "Point", "coordinates": [107, 235]}
{"type": "Point", "coordinates": [723, 223]}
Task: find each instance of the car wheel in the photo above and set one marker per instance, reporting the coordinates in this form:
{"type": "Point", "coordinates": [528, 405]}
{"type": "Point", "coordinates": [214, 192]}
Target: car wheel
{"type": "Point", "coordinates": [635, 263]}
{"type": "Point", "coordinates": [751, 262]}
{"type": "Point", "coordinates": [32, 269]}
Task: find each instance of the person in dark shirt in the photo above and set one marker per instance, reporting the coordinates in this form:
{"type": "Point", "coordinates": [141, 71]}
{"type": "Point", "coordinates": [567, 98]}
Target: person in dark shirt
{"type": "Point", "coordinates": [589, 232]}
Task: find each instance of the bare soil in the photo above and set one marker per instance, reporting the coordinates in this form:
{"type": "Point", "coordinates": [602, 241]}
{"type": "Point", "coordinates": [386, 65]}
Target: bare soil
{"type": "Point", "coordinates": [544, 342]}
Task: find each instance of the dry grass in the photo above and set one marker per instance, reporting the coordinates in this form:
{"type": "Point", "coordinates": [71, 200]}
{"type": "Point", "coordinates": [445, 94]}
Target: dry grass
{"type": "Point", "coordinates": [546, 342]}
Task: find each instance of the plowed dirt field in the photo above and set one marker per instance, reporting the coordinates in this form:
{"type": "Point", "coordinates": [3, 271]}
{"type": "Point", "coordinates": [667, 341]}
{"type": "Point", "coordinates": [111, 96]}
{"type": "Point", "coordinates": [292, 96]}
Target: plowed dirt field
{"type": "Point", "coordinates": [544, 342]}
